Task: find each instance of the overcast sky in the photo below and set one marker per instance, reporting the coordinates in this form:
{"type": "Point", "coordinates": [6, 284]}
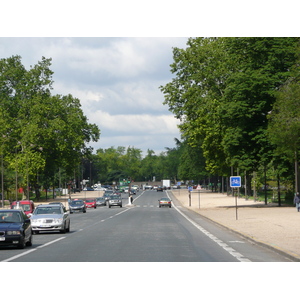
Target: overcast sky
{"type": "Point", "coordinates": [117, 76]}
{"type": "Point", "coordinates": [117, 81]}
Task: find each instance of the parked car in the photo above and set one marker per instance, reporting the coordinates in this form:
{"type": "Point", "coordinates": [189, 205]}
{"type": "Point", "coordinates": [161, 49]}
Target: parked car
{"type": "Point", "coordinates": [26, 205]}
{"type": "Point", "coordinates": [88, 188]}
{"type": "Point", "coordinates": [90, 203]}
{"type": "Point", "coordinates": [100, 201]}
{"type": "Point", "coordinates": [114, 200]}
{"type": "Point", "coordinates": [15, 228]}
{"type": "Point", "coordinates": [77, 206]}
{"type": "Point", "coordinates": [48, 217]}
{"type": "Point", "coordinates": [164, 202]}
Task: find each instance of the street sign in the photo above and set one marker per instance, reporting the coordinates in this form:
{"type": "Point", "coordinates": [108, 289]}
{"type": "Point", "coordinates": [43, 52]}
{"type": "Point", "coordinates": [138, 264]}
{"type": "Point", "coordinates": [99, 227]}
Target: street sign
{"type": "Point", "coordinates": [235, 181]}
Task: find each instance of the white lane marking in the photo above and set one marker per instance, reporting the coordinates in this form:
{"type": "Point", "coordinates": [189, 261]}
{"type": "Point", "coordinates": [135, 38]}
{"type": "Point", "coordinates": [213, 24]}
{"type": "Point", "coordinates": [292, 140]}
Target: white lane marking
{"type": "Point", "coordinates": [230, 250]}
{"type": "Point", "coordinates": [32, 250]}
{"type": "Point", "coordinates": [49, 243]}
{"type": "Point", "coordinates": [57, 240]}
{"type": "Point", "coordinates": [19, 255]}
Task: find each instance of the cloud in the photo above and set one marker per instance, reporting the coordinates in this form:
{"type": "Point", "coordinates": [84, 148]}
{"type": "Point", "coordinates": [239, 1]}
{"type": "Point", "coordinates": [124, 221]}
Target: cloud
{"type": "Point", "coordinates": [117, 81]}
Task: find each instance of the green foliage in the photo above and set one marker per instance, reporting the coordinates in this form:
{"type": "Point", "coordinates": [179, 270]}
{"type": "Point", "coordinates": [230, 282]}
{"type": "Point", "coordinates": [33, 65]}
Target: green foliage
{"type": "Point", "coordinates": [222, 92]}
{"type": "Point", "coordinates": [40, 132]}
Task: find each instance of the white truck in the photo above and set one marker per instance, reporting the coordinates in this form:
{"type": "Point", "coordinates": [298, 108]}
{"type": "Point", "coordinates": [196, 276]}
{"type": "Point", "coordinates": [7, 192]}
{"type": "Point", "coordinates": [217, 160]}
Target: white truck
{"type": "Point", "coordinates": [166, 183]}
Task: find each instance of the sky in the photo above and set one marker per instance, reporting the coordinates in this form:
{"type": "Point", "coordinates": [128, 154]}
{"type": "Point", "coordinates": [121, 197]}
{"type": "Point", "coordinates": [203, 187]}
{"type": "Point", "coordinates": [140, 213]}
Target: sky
{"type": "Point", "coordinates": [114, 56]}
{"type": "Point", "coordinates": [117, 80]}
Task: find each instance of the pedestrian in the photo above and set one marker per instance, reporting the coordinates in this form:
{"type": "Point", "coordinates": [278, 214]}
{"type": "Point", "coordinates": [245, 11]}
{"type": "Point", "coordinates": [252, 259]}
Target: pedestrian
{"type": "Point", "coordinates": [131, 199]}
{"type": "Point", "coordinates": [297, 201]}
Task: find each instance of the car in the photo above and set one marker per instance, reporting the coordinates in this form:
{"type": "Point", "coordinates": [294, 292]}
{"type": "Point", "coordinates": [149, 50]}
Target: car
{"type": "Point", "coordinates": [59, 203]}
{"type": "Point", "coordinates": [48, 217]}
{"type": "Point", "coordinates": [15, 228]}
{"type": "Point", "coordinates": [88, 188]}
{"type": "Point", "coordinates": [114, 200]}
{"type": "Point", "coordinates": [77, 205]}
{"type": "Point", "coordinates": [100, 201]}
{"type": "Point", "coordinates": [159, 189]}
{"type": "Point", "coordinates": [148, 187]}
{"type": "Point", "coordinates": [90, 203]}
{"type": "Point", "coordinates": [107, 194]}
{"type": "Point", "coordinates": [26, 205]}
{"type": "Point", "coordinates": [164, 202]}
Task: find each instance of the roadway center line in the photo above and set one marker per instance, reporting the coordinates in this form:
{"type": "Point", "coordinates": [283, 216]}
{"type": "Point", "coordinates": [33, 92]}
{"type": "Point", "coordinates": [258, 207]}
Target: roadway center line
{"type": "Point", "coordinates": [227, 248]}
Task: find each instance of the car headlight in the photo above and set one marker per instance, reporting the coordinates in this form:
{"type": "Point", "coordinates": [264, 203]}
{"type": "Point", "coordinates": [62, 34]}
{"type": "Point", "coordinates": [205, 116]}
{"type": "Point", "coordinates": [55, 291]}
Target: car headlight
{"type": "Point", "coordinates": [58, 221]}
{"type": "Point", "coordinates": [14, 232]}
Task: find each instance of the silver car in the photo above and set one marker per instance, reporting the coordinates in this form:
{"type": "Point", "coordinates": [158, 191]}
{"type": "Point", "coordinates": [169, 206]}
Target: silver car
{"type": "Point", "coordinates": [49, 218]}
{"type": "Point", "coordinates": [115, 200]}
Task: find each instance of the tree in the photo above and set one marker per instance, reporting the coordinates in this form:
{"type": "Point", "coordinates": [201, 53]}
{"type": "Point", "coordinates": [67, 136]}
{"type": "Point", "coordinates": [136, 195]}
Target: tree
{"type": "Point", "coordinates": [40, 132]}
{"type": "Point", "coordinates": [222, 92]}
{"type": "Point", "coordinates": [284, 125]}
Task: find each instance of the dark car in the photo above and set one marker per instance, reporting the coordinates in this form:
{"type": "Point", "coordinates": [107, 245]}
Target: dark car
{"type": "Point", "coordinates": [88, 188]}
{"type": "Point", "coordinates": [160, 189]}
{"type": "Point", "coordinates": [15, 228]}
{"type": "Point", "coordinates": [77, 205]}
{"type": "Point", "coordinates": [101, 201]}
{"type": "Point", "coordinates": [164, 202]}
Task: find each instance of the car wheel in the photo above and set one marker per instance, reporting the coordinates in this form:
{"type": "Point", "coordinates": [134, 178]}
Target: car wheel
{"type": "Point", "coordinates": [22, 244]}
{"type": "Point", "coordinates": [63, 230]}
{"type": "Point", "coordinates": [68, 229]}
{"type": "Point", "coordinates": [29, 243]}
{"type": "Point", "coordinates": [121, 206]}
{"type": "Point", "coordinates": [84, 211]}
{"type": "Point", "coordinates": [109, 206]}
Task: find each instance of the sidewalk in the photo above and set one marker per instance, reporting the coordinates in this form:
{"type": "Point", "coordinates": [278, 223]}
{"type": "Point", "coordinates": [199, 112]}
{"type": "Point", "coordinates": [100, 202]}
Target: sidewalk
{"type": "Point", "coordinates": [273, 226]}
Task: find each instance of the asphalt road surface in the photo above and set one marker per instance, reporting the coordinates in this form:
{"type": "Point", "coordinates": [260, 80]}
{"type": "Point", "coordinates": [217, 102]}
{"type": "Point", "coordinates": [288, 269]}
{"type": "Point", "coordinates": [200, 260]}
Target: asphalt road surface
{"type": "Point", "coordinates": [142, 232]}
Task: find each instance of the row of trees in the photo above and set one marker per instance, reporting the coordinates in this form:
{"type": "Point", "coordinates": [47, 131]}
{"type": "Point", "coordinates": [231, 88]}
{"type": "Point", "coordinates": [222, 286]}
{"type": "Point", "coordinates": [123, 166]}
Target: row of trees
{"type": "Point", "coordinates": [43, 136]}
{"type": "Point", "coordinates": [114, 164]}
{"type": "Point", "coordinates": [238, 100]}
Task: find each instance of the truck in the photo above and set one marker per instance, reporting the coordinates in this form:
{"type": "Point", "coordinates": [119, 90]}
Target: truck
{"type": "Point", "coordinates": [166, 184]}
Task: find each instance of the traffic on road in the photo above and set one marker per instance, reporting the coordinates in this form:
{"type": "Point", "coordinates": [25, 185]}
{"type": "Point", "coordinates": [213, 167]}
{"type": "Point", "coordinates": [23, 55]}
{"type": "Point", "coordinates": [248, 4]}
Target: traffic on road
{"type": "Point", "coordinates": [138, 230]}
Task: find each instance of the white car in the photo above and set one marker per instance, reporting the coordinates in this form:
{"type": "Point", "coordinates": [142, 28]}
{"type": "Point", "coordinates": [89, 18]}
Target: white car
{"type": "Point", "coordinates": [50, 218]}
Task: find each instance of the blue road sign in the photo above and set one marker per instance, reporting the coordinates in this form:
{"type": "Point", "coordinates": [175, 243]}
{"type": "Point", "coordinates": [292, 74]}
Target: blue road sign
{"type": "Point", "coordinates": [235, 181]}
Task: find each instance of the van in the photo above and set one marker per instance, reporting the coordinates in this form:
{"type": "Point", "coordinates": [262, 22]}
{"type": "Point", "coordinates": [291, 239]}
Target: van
{"type": "Point", "coordinates": [26, 205]}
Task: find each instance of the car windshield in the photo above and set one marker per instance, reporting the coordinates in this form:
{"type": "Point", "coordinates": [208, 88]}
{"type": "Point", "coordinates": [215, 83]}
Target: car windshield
{"type": "Point", "coordinates": [77, 202]}
{"type": "Point", "coordinates": [25, 207]}
{"type": "Point", "coordinates": [10, 217]}
{"type": "Point", "coordinates": [49, 210]}
{"type": "Point", "coordinates": [89, 200]}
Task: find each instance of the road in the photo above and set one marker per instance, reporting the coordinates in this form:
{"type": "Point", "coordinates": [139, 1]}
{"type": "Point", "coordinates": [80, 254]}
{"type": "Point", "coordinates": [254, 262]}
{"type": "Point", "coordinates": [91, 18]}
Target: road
{"type": "Point", "coordinates": [142, 232]}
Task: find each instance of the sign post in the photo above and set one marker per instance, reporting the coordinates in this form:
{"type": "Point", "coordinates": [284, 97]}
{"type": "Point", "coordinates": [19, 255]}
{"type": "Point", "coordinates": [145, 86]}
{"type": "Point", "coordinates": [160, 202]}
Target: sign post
{"type": "Point", "coordinates": [198, 189]}
{"type": "Point", "coordinates": [235, 183]}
